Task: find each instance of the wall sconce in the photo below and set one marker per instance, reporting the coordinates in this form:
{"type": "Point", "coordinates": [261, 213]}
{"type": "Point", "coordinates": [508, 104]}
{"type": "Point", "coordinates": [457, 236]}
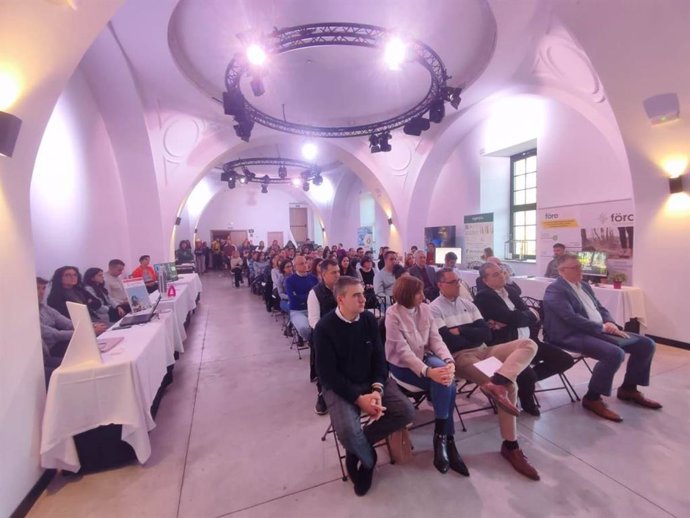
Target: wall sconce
{"type": "Point", "coordinates": [390, 221]}
{"type": "Point", "coordinates": [9, 131]}
{"type": "Point", "coordinates": [675, 184]}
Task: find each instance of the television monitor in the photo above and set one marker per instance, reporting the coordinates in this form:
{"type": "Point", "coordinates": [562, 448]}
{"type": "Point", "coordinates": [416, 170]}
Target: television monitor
{"type": "Point", "coordinates": [170, 269]}
{"type": "Point", "coordinates": [593, 263]}
{"type": "Point", "coordinates": [441, 252]}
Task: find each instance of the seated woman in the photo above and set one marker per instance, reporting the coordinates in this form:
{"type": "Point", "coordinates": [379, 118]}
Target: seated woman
{"type": "Point", "coordinates": [146, 272]}
{"type": "Point", "coordinates": [366, 273]}
{"type": "Point", "coordinates": [66, 287]}
{"type": "Point", "coordinates": [284, 270]}
{"type": "Point", "coordinates": [345, 267]}
{"type": "Point", "coordinates": [314, 270]}
{"type": "Point", "coordinates": [95, 285]}
{"type": "Point", "coordinates": [184, 254]}
{"type": "Point", "coordinates": [419, 359]}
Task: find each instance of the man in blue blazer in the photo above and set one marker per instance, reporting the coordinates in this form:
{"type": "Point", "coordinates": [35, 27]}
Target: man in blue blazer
{"type": "Point", "coordinates": [575, 320]}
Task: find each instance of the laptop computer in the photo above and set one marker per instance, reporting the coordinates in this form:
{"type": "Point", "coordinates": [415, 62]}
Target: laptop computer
{"type": "Point", "coordinates": [142, 318]}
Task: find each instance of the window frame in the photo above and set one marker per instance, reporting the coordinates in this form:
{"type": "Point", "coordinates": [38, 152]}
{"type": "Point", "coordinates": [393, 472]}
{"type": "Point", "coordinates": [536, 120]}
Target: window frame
{"type": "Point", "coordinates": [523, 207]}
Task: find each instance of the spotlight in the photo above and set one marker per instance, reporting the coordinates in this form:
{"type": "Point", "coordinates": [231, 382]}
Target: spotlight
{"type": "Point", "coordinates": [394, 54]}
{"type": "Point", "coordinates": [248, 174]}
{"type": "Point", "coordinates": [265, 179]}
{"type": "Point", "coordinates": [318, 179]}
{"type": "Point", "coordinates": [309, 151]}
{"type": "Point", "coordinates": [384, 145]}
{"type": "Point", "coordinates": [231, 183]}
{"type": "Point", "coordinates": [264, 189]}
{"type": "Point", "coordinates": [282, 172]}
{"type": "Point", "coordinates": [257, 85]}
{"type": "Point", "coordinates": [243, 128]}
{"type": "Point", "coordinates": [243, 179]}
{"type": "Point", "coordinates": [452, 95]}
{"type": "Point", "coordinates": [437, 111]}
{"type": "Point", "coordinates": [416, 126]}
{"type": "Point", "coordinates": [374, 146]}
{"type": "Point", "coordinates": [224, 177]}
{"type": "Point", "coordinates": [296, 182]}
{"type": "Point", "coordinates": [256, 55]}
{"type": "Point", "coordinates": [305, 186]}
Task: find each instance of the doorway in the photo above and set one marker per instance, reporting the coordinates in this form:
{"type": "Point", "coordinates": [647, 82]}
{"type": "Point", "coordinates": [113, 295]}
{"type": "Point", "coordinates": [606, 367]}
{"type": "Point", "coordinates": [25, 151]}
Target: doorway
{"type": "Point", "coordinates": [298, 224]}
{"type": "Point", "coordinates": [275, 236]}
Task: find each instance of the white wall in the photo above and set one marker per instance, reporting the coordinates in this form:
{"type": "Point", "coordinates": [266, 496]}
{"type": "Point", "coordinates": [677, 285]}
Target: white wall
{"type": "Point", "coordinates": [77, 210]}
{"type": "Point", "coordinates": [245, 207]}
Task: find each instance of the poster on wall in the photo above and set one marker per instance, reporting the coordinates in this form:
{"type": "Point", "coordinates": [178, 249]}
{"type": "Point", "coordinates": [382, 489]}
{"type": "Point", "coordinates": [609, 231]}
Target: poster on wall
{"type": "Point", "coordinates": [365, 237]}
{"type": "Point", "coordinates": [602, 227]}
{"type": "Point", "coordinates": [440, 236]}
{"type": "Point", "coordinates": [479, 234]}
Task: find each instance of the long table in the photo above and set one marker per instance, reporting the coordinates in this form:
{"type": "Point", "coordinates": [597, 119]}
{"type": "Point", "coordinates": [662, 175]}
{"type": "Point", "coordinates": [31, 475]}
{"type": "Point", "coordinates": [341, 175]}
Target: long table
{"type": "Point", "coordinates": [121, 390]}
{"type": "Point", "coordinates": [624, 304]}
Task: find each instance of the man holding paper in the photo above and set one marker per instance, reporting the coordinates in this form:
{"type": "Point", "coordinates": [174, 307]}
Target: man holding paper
{"type": "Point", "coordinates": [494, 369]}
{"type": "Point", "coordinates": [353, 372]}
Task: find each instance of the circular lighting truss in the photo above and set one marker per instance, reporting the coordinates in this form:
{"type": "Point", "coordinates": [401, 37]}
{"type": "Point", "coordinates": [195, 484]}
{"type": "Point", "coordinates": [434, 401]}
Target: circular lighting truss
{"type": "Point", "coordinates": [239, 171]}
{"type": "Point", "coordinates": [333, 34]}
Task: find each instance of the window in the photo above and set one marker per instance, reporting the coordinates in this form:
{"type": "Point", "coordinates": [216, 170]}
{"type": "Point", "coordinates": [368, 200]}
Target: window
{"type": "Point", "coordinates": [523, 205]}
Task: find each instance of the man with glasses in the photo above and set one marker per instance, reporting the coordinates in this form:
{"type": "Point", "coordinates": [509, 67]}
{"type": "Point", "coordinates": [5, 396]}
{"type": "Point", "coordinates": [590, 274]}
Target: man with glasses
{"type": "Point", "coordinates": [575, 320]}
{"type": "Point", "coordinates": [466, 334]}
{"type": "Point", "coordinates": [384, 278]}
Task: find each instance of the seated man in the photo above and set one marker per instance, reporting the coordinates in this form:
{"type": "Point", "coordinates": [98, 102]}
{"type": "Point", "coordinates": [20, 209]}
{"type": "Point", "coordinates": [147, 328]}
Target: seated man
{"type": "Point", "coordinates": [297, 287]}
{"type": "Point", "coordinates": [465, 333]}
{"type": "Point", "coordinates": [425, 273]}
{"type": "Point", "coordinates": [384, 279]}
{"type": "Point", "coordinates": [509, 319]}
{"type": "Point", "coordinates": [146, 272]}
{"type": "Point", "coordinates": [319, 302]}
{"type": "Point", "coordinates": [551, 268]}
{"type": "Point", "coordinates": [450, 261]}
{"type": "Point", "coordinates": [352, 368]}
{"type": "Point", "coordinates": [113, 283]}
{"type": "Point", "coordinates": [575, 320]}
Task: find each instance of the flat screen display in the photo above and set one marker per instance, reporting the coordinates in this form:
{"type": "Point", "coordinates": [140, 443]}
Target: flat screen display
{"type": "Point", "coordinates": [593, 263]}
{"type": "Point", "coordinates": [441, 252]}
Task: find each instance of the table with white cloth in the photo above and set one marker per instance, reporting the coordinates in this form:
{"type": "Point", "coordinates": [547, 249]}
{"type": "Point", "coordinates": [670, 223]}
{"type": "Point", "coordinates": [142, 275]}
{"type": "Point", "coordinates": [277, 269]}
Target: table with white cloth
{"type": "Point", "coordinates": [624, 304]}
{"type": "Point", "coordinates": [187, 288]}
{"type": "Point", "coordinates": [120, 391]}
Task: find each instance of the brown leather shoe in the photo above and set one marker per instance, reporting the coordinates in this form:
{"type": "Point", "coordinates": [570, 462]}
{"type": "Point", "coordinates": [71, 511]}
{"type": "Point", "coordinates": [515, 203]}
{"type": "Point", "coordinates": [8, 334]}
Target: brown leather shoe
{"type": "Point", "coordinates": [600, 408]}
{"type": "Point", "coordinates": [519, 462]}
{"type": "Point", "coordinates": [637, 397]}
{"type": "Point", "coordinates": [499, 395]}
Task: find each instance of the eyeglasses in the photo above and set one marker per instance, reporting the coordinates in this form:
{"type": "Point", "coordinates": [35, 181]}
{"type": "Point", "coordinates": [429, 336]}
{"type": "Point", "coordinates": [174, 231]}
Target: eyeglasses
{"type": "Point", "coordinates": [454, 282]}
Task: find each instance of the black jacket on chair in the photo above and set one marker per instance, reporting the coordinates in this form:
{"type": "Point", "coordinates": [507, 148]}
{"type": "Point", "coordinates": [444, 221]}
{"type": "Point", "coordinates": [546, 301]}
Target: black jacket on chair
{"type": "Point", "coordinates": [493, 307]}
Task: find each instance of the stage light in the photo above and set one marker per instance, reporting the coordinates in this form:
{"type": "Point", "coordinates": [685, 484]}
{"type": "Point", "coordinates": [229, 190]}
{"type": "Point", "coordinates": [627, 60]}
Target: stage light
{"type": "Point", "coordinates": [296, 182]}
{"type": "Point", "coordinates": [231, 183]}
{"type": "Point", "coordinates": [416, 126]}
{"type": "Point", "coordinates": [318, 180]}
{"type": "Point", "coordinates": [243, 179]}
{"type": "Point", "coordinates": [257, 85]}
{"type": "Point", "coordinates": [309, 151]}
{"type": "Point", "coordinates": [256, 55]}
{"type": "Point", "coordinates": [384, 145]}
{"type": "Point", "coordinates": [247, 173]}
{"type": "Point", "coordinates": [264, 189]}
{"type": "Point", "coordinates": [233, 103]}
{"type": "Point", "coordinates": [243, 128]}
{"type": "Point", "coordinates": [452, 95]}
{"type": "Point", "coordinates": [394, 54]}
{"type": "Point", "coordinates": [305, 186]}
{"type": "Point", "coordinates": [282, 172]}
{"type": "Point", "coordinates": [437, 111]}
{"type": "Point", "coordinates": [374, 146]}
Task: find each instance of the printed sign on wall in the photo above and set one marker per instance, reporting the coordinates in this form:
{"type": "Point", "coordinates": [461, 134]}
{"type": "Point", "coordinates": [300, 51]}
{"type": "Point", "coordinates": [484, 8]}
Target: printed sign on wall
{"type": "Point", "coordinates": [479, 234]}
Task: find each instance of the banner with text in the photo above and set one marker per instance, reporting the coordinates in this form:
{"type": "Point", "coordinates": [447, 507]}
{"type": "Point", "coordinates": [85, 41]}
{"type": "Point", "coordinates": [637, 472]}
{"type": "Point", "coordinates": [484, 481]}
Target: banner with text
{"type": "Point", "coordinates": [479, 234]}
{"type": "Point", "coordinates": [602, 227]}
{"type": "Point", "coordinates": [365, 237]}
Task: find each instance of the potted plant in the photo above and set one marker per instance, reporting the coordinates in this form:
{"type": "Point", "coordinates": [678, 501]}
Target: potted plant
{"type": "Point", "coordinates": [618, 278]}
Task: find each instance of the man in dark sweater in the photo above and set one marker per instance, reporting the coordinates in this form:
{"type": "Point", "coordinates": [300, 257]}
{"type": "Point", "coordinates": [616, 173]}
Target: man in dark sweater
{"type": "Point", "coordinates": [319, 302]}
{"type": "Point", "coordinates": [297, 288]}
{"type": "Point", "coordinates": [351, 365]}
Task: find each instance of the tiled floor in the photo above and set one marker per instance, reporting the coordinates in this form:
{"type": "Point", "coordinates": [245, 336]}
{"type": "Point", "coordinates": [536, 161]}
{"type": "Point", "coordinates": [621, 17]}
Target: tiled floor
{"type": "Point", "coordinates": [236, 435]}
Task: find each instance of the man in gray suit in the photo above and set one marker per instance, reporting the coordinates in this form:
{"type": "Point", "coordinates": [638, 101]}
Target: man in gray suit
{"type": "Point", "coordinates": [425, 273]}
{"type": "Point", "coordinates": [575, 320]}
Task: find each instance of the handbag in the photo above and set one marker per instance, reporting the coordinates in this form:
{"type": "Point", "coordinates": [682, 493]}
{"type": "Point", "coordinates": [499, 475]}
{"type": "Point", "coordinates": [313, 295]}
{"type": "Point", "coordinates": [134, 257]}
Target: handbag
{"type": "Point", "coordinates": [400, 446]}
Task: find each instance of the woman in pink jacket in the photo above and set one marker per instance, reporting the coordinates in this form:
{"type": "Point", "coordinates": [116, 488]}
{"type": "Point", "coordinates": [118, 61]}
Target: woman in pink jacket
{"type": "Point", "coordinates": [418, 357]}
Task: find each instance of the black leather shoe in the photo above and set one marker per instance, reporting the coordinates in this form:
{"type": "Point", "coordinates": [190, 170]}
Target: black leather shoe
{"type": "Point", "coordinates": [320, 408]}
{"type": "Point", "coordinates": [364, 478]}
{"type": "Point", "coordinates": [530, 406]}
{"type": "Point", "coordinates": [454, 459]}
{"type": "Point", "coordinates": [441, 461]}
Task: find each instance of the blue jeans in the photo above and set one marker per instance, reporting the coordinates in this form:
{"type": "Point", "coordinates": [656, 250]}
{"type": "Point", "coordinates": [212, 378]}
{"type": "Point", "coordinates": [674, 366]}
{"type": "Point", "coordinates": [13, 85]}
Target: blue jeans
{"type": "Point", "coordinates": [284, 306]}
{"type": "Point", "coordinates": [611, 357]}
{"type": "Point", "coordinates": [300, 320]}
{"type": "Point", "coordinates": [345, 418]}
{"type": "Point", "coordinates": [442, 397]}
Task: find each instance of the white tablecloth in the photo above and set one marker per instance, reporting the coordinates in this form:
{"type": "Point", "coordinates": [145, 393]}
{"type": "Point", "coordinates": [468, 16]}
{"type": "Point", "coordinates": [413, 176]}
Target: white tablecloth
{"type": "Point", "coordinates": [624, 304]}
{"type": "Point", "coordinates": [120, 391]}
{"type": "Point", "coordinates": [187, 288]}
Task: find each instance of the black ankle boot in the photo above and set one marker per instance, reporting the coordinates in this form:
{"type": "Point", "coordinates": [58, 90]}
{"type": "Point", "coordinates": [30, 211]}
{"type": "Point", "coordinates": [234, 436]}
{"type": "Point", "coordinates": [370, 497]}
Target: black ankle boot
{"type": "Point", "coordinates": [454, 459]}
{"type": "Point", "coordinates": [441, 461]}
